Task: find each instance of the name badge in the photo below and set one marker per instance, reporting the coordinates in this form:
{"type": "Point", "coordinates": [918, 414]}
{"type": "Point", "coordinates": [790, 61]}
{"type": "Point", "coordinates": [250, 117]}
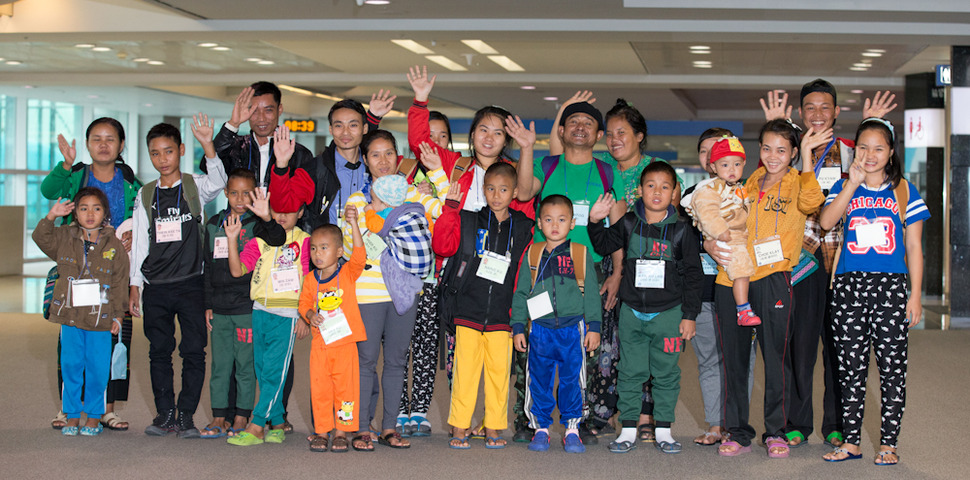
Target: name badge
{"type": "Point", "coordinates": [166, 232]}
{"type": "Point", "coordinates": [828, 176]}
{"type": "Point", "coordinates": [85, 293]}
{"type": "Point", "coordinates": [581, 213]}
{"type": "Point", "coordinates": [334, 326]}
{"type": "Point", "coordinates": [709, 265]}
{"type": "Point", "coordinates": [285, 280]}
{"type": "Point", "coordinates": [493, 267]}
{"type": "Point", "coordinates": [871, 235]}
{"type": "Point", "coordinates": [768, 251]}
{"type": "Point", "coordinates": [221, 248]}
{"type": "Point", "coordinates": [374, 244]}
{"type": "Point", "coordinates": [650, 274]}
{"type": "Point", "coordinates": [539, 305]}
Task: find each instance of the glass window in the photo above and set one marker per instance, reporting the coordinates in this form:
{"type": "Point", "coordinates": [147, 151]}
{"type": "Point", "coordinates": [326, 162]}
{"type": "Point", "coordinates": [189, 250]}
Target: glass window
{"type": "Point", "coordinates": [45, 120]}
{"type": "Point", "coordinates": [7, 116]}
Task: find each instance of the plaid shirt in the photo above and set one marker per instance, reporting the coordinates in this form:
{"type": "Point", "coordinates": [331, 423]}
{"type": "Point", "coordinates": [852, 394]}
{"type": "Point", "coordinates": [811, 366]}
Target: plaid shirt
{"type": "Point", "coordinates": [815, 237]}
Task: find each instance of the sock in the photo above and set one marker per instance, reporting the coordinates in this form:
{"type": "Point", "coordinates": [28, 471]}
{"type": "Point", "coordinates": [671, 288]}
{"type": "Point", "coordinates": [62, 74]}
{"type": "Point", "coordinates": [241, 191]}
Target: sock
{"type": "Point", "coordinates": [746, 306]}
{"type": "Point", "coordinates": [663, 435]}
{"type": "Point", "coordinates": [627, 434]}
{"type": "Point", "coordinates": [546, 430]}
{"type": "Point", "coordinates": [572, 431]}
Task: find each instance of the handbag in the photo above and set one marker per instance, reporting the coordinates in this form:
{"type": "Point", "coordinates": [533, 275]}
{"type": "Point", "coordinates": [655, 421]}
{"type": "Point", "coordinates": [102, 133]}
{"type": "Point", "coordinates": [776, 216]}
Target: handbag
{"type": "Point", "coordinates": [119, 359]}
{"type": "Point", "coordinates": [807, 263]}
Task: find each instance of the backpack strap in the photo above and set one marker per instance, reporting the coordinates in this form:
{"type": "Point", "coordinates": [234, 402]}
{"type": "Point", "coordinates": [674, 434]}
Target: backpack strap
{"type": "Point", "coordinates": [148, 196]}
{"type": "Point", "coordinates": [606, 174]}
{"type": "Point", "coordinates": [535, 256]}
{"type": "Point", "coordinates": [901, 192]}
{"type": "Point", "coordinates": [462, 165]}
{"type": "Point", "coordinates": [577, 251]}
{"type": "Point", "coordinates": [407, 168]}
{"type": "Point", "coordinates": [189, 189]}
{"type": "Point", "coordinates": [549, 164]}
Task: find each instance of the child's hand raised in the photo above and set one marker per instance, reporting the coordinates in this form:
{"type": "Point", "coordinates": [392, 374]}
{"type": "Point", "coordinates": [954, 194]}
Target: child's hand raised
{"type": "Point", "coordinates": [202, 128]}
{"type": "Point", "coordinates": [260, 205]}
{"type": "Point", "coordinates": [518, 340]}
{"type": "Point", "coordinates": [592, 341]}
{"type": "Point", "coordinates": [283, 146]}
{"type": "Point", "coordinates": [59, 209]}
{"type": "Point", "coordinates": [601, 209]}
{"type": "Point", "coordinates": [233, 227]}
{"type": "Point", "coordinates": [350, 213]}
{"type": "Point", "coordinates": [69, 151]}
{"type": "Point", "coordinates": [429, 156]}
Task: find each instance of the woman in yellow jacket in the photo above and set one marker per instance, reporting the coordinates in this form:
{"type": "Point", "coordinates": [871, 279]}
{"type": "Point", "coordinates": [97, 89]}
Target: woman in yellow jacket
{"type": "Point", "coordinates": [779, 197]}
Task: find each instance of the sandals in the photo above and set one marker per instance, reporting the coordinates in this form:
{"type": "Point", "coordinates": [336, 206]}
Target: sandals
{"type": "Point", "coordinates": [849, 455]}
{"type": "Point", "coordinates": [59, 421]}
{"type": "Point", "coordinates": [835, 439]}
{"type": "Point", "coordinates": [209, 432]}
{"type": "Point", "coordinates": [275, 436]}
{"type": "Point", "coordinates": [340, 444]}
{"type": "Point", "coordinates": [646, 433]}
{"type": "Point", "coordinates": [492, 443]}
{"type": "Point", "coordinates": [112, 421]}
{"type": "Point", "coordinates": [881, 458]}
{"type": "Point", "coordinates": [668, 447]}
{"type": "Point", "coordinates": [287, 426]}
{"type": "Point", "coordinates": [244, 439]}
{"type": "Point", "coordinates": [91, 431]}
{"type": "Point", "coordinates": [385, 440]}
{"type": "Point", "coordinates": [738, 449]}
{"type": "Point", "coordinates": [622, 447]}
{"type": "Point", "coordinates": [402, 428]}
{"type": "Point", "coordinates": [796, 435]}
{"type": "Point", "coordinates": [713, 437]}
{"type": "Point", "coordinates": [420, 426]}
{"type": "Point", "coordinates": [462, 443]}
{"type": "Point", "coordinates": [779, 443]}
{"type": "Point", "coordinates": [319, 443]}
{"type": "Point", "coordinates": [368, 443]}
{"type": "Point", "coordinates": [478, 433]}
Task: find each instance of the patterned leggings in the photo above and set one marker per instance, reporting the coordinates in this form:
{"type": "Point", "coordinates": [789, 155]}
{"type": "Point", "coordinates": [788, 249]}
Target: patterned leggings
{"type": "Point", "coordinates": [870, 308]}
{"type": "Point", "coordinates": [423, 356]}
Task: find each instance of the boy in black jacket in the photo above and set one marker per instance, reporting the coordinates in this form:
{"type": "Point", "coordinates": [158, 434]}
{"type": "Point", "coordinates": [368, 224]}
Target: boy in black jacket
{"type": "Point", "coordinates": [660, 291]}
{"type": "Point", "coordinates": [485, 249]}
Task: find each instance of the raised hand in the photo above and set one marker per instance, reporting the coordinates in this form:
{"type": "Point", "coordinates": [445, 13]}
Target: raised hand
{"type": "Point", "coordinates": [423, 188]}
{"type": "Point", "coordinates": [601, 209]}
{"type": "Point", "coordinates": [810, 141]}
{"type": "Point", "coordinates": [429, 156]}
{"type": "Point", "coordinates": [381, 103]}
{"type": "Point", "coordinates": [580, 96]}
{"type": "Point", "coordinates": [283, 146]}
{"type": "Point", "coordinates": [68, 151]}
{"type": "Point", "coordinates": [59, 209]}
{"type": "Point", "coordinates": [524, 137]}
{"type": "Point", "coordinates": [857, 174]}
{"type": "Point", "coordinates": [776, 107]}
{"type": "Point", "coordinates": [879, 105]}
{"type": "Point", "coordinates": [420, 83]}
{"type": "Point", "coordinates": [202, 130]}
{"type": "Point", "coordinates": [232, 226]}
{"type": "Point", "coordinates": [260, 205]}
{"type": "Point", "coordinates": [454, 193]}
{"type": "Point", "coordinates": [350, 214]}
{"type": "Point", "coordinates": [243, 108]}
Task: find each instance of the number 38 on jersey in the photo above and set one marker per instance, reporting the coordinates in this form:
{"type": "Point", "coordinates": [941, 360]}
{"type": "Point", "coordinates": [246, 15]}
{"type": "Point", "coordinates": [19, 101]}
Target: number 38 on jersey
{"type": "Point", "coordinates": [878, 233]}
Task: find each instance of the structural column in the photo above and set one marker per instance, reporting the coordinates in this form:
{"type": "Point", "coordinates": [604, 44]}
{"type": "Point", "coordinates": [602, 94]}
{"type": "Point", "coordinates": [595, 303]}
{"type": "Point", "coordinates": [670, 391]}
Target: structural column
{"type": "Point", "coordinates": [960, 182]}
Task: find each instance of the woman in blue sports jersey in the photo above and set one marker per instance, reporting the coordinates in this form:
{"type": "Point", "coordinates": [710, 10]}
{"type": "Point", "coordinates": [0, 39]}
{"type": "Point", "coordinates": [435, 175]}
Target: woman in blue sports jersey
{"type": "Point", "coordinates": [882, 219]}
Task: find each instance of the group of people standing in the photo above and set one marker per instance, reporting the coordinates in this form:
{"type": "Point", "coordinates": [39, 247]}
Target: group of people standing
{"type": "Point", "coordinates": [593, 267]}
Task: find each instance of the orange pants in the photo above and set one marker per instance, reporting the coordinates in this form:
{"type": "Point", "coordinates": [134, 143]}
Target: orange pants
{"type": "Point", "coordinates": [334, 386]}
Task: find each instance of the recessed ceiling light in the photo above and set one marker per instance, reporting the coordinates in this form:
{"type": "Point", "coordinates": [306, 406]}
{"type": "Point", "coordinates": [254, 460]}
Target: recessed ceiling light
{"type": "Point", "coordinates": [703, 66]}
{"type": "Point", "coordinates": [265, 62]}
{"type": "Point", "coordinates": [447, 63]}
{"type": "Point", "coordinates": [328, 97]}
{"type": "Point", "coordinates": [702, 62]}
{"type": "Point", "coordinates": [208, 45]}
{"type": "Point", "coordinates": [875, 50]}
{"type": "Point", "coordinates": [155, 62]}
{"type": "Point", "coordinates": [480, 47]}
{"type": "Point", "coordinates": [851, 100]}
{"type": "Point", "coordinates": [2, 59]}
{"type": "Point", "coordinates": [296, 90]}
{"type": "Point", "coordinates": [867, 61]}
{"type": "Point", "coordinates": [28, 87]}
{"type": "Point", "coordinates": [871, 54]}
{"type": "Point", "coordinates": [855, 91]}
{"type": "Point", "coordinates": [85, 45]}
{"type": "Point", "coordinates": [412, 46]}
{"type": "Point", "coordinates": [14, 62]}
{"type": "Point", "coordinates": [550, 99]}
{"type": "Point", "coordinates": [377, 2]}
{"type": "Point", "coordinates": [701, 52]}
{"type": "Point", "coordinates": [846, 109]}
{"type": "Point", "coordinates": [254, 59]}
{"type": "Point", "coordinates": [858, 69]}
{"type": "Point", "coordinates": [700, 47]}
{"type": "Point", "coordinates": [861, 65]}
{"type": "Point", "coordinates": [93, 96]}
{"type": "Point", "coordinates": [506, 63]}
{"type": "Point", "coordinates": [528, 87]}
{"type": "Point", "coordinates": [149, 105]}
{"type": "Point", "coordinates": [100, 49]}
{"type": "Point", "coordinates": [221, 49]}
{"type": "Point", "coordinates": [141, 60]}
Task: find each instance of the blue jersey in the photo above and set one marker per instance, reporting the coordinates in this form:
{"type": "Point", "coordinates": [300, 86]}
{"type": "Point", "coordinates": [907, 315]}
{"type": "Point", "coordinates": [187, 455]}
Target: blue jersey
{"type": "Point", "coordinates": [876, 206]}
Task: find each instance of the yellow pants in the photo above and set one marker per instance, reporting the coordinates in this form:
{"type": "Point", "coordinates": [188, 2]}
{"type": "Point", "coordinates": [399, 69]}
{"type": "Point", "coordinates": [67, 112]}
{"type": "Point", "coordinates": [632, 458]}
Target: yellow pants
{"type": "Point", "coordinates": [476, 351]}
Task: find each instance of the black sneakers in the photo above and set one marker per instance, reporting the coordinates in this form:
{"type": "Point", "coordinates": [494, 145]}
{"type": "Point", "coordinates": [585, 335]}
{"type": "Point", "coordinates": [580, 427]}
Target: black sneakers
{"type": "Point", "coordinates": [523, 434]}
{"type": "Point", "coordinates": [163, 424]}
{"type": "Point", "coordinates": [186, 425]}
{"type": "Point", "coordinates": [586, 435]}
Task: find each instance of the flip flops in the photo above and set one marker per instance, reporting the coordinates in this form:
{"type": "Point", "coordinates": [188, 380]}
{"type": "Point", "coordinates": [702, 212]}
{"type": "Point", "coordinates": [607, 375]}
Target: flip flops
{"type": "Point", "coordinates": [709, 436]}
{"type": "Point", "coordinates": [668, 447]}
{"type": "Point", "coordinates": [738, 449]}
{"type": "Point", "coordinates": [834, 437]}
{"type": "Point", "coordinates": [777, 442]}
{"type": "Point", "coordinates": [494, 445]}
{"type": "Point", "coordinates": [275, 436]}
{"type": "Point", "coordinates": [849, 455]}
{"type": "Point", "coordinates": [216, 432]}
{"type": "Point", "coordinates": [796, 435]}
{"type": "Point", "coordinates": [464, 445]}
{"type": "Point", "coordinates": [420, 426]}
{"type": "Point", "coordinates": [880, 458]}
{"type": "Point", "coordinates": [385, 440]}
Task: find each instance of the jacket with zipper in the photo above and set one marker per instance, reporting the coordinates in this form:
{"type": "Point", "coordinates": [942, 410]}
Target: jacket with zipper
{"type": "Point", "coordinates": [61, 183]}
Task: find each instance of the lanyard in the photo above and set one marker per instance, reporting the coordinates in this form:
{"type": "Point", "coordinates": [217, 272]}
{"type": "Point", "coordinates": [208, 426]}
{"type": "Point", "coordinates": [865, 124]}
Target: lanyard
{"type": "Point", "coordinates": [84, 247]}
{"type": "Point", "coordinates": [542, 269]}
{"type": "Point", "coordinates": [178, 205]}
{"type": "Point", "coordinates": [588, 177]}
{"type": "Point", "coordinates": [488, 228]}
{"type": "Point", "coordinates": [821, 159]}
{"type": "Point", "coordinates": [757, 210]}
{"type": "Point", "coordinates": [640, 233]}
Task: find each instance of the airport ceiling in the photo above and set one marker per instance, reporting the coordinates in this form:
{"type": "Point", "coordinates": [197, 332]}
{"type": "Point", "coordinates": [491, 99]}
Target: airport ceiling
{"type": "Point", "coordinates": [617, 48]}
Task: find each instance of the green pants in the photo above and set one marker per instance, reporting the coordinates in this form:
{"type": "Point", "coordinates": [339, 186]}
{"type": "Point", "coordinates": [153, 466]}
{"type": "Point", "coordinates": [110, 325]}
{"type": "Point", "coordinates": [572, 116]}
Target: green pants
{"type": "Point", "coordinates": [649, 348]}
{"type": "Point", "coordinates": [232, 344]}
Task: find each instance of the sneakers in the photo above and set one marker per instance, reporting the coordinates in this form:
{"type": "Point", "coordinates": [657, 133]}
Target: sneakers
{"type": "Point", "coordinates": [747, 318]}
{"type": "Point", "coordinates": [523, 433]}
{"type": "Point", "coordinates": [571, 443]}
{"type": "Point", "coordinates": [540, 442]}
{"type": "Point", "coordinates": [163, 424]}
{"type": "Point", "coordinates": [185, 426]}
{"type": "Point", "coordinates": [587, 436]}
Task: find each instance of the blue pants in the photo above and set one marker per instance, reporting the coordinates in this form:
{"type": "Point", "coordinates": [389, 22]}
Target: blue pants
{"type": "Point", "coordinates": [85, 364]}
{"type": "Point", "coordinates": [551, 349]}
{"type": "Point", "coordinates": [273, 338]}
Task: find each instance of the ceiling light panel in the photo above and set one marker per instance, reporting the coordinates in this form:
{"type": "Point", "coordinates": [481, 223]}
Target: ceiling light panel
{"type": "Point", "coordinates": [413, 46]}
{"type": "Point", "coordinates": [447, 63]}
{"type": "Point", "coordinates": [480, 47]}
{"type": "Point", "coordinates": [506, 63]}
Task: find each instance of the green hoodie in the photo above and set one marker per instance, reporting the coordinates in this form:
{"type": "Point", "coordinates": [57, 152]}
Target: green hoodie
{"type": "Point", "coordinates": [61, 183]}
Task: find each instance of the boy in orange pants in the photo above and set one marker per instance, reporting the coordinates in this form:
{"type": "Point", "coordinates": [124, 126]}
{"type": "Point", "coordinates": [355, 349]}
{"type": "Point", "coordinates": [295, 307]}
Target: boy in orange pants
{"type": "Point", "coordinates": [328, 302]}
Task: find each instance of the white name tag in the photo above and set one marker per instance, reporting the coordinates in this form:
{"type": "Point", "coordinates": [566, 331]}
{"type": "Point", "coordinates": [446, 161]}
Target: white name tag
{"type": "Point", "coordinates": [828, 176]}
{"type": "Point", "coordinates": [493, 267]}
{"type": "Point", "coordinates": [581, 213]}
{"type": "Point", "coordinates": [285, 280]}
{"type": "Point", "coordinates": [650, 274]}
{"type": "Point", "coordinates": [539, 305]}
{"type": "Point", "coordinates": [709, 265]}
{"type": "Point", "coordinates": [334, 326]}
{"type": "Point", "coordinates": [221, 248]}
{"type": "Point", "coordinates": [871, 235]}
{"type": "Point", "coordinates": [374, 244]}
{"type": "Point", "coordinates": [768, 251]}
{"type": "Point", "coordinates": [85, 293]}
{"type": "Point", "coordinates": [168, 231]}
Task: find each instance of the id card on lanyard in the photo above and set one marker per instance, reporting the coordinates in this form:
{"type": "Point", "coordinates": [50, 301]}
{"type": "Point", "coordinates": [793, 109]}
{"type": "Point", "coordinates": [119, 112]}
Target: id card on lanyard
{"type": "Point", "coordinates": [651, 273]}
{"type": "Point", "coordinates": [168, 231]}
{"type": "Point", "coordinates": [494, 266]}
{"type": "Point", "coordinates": [580, 207]}
{"type": "Point", "coordinates": [767, 250]}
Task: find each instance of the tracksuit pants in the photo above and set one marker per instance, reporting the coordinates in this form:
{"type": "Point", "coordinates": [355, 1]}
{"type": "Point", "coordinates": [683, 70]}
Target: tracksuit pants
{"type": "Point", "coordinates": [273, 338]}
{"type": "Point", "coordinates": [649, 349]}
{"type": "Point", "coordinates": [771, 299]}
{"type": "Point", "coordinates": [474, 352]}
{"type": "Point", "coordinates": [232, 346]}
{"type": "Point", "coordinates": [552, 349]}
{"type": "Point", "coordinates": [870, 308]}
{"type": "Point", "coordinates": [86, 366]}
